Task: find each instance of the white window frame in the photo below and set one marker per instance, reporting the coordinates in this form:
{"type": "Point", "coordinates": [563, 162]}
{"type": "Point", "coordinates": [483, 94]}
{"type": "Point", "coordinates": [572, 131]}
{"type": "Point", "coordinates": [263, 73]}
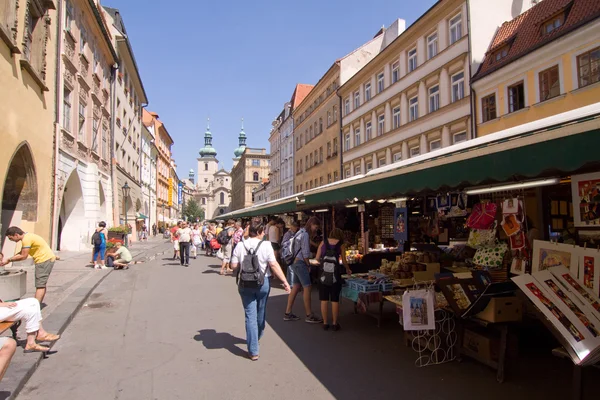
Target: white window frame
{"type": "Point", "coordinates": [395, 72]}
{"type": "Point", "coordinates": [380, 82]}
{"type": "Point", "coordinates": [397, 156]}
{"type": "Point", "coordinates": [356, 137]}
{"type": "Point", "coordinates": [357, 170]}
{"type": "Point", "coordinates": [81, 122]}
{"type": "Point", "coordinates": [328, 118]}
{"type": "Point", "coordinates": [460, 85]}
{"type": "Point", "coordinates": [413, 108]}
{"type": "Point", "coordinates": [381, 162]}
{"type": "Point", "coordinates": [347, 106]}
{"type": "Point", "coordinates": [347, 173]}
{"type": "Point", "coordinates": [367, 87]}
{"type": "Point", "coordinates": [347, 142]}
{"type": "Point", "coordinates": [380, 124]}
{"type": "Point", "coordinates": [454, 141]}
{"type": "Point", "coordinates": [396, 117]}
{"type": "Point", "coordinates": [434, 98]}
{"type": "Point", "coordinates": [356, 99]}
{"type": "Point", "coordinates": [415, 151]}
{"type": "Point", "coordinates": [411, 57]}
{"type": "Point", "coordinates": [432, 45]}
{"type": "Point", "coordinates": [368, 131]}
{"type": "Point", "coordinates": [67, 105]}
{"type": "Point", "coordinates": [455, 32]}
{"type": "Point", "coordinates": [437, 143]}
{"type": "Point", "coordinates": [369, 166]}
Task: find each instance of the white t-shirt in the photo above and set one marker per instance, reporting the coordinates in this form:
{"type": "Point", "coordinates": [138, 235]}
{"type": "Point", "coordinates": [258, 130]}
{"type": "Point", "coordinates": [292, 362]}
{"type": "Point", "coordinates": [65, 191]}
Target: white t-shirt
{"type": "Point", "coordinates": [185, 235]}
{"type": "Point", "coordinates": [265, 253]}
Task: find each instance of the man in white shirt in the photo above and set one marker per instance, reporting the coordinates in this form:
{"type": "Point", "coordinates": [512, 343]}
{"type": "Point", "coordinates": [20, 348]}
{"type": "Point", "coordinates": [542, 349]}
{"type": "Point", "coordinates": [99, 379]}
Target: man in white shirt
{"type": "Point", "coordinates": [185, 238]}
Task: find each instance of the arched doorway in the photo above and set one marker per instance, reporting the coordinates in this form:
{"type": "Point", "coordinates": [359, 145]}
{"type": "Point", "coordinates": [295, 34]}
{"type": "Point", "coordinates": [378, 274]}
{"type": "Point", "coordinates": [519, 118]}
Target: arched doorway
{"type": "Point", "coordinates": [20, 194]}
{"type": "Point", "coordinates": [72, 215]}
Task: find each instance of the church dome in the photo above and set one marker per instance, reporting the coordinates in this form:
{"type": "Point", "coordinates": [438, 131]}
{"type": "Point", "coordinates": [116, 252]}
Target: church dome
{"type": "Point", "coordinates": [208, 150]}
{"type": "Point", "coordinates": [242, 143]}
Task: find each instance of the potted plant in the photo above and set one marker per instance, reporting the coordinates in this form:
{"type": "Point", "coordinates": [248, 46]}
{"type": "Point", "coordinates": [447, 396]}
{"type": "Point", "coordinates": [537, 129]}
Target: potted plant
{"type": "Point", "coordinates": [117, 232]}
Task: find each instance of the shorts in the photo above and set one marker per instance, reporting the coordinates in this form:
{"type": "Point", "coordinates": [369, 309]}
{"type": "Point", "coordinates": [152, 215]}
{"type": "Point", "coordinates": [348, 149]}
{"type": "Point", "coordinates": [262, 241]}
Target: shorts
{"type": "Point", "coordinates": [42, 273]}
{"type": "Point", "coordinates": [330, 293]}
{"type": "Point", "coordinates": [99, 252]}
{"type": "Point", "coordinates": [176, 245]}
{"type": "Point", "coordinates": [276, 246]}
{"type": "Point", "coordinates": [300, 274]}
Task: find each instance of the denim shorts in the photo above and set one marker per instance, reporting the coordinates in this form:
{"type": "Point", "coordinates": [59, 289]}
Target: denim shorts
{"type": "Point", "coordinates": [300, 273]}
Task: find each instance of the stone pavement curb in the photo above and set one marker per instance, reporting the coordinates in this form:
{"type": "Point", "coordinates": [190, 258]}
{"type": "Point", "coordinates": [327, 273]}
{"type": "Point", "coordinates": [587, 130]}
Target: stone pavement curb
{"type": "Point", "coordinates": [23, 365]}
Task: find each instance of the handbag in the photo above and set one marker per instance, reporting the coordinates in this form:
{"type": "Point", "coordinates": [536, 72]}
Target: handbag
{"type": "Point", "coordinates": [479, 238]}
{"type": "Point", "coordinates": [482, 216]}
{"type": "Point", "coordinates": [491, 256]}
{"type": "Point", "coordinates": [510, 225]}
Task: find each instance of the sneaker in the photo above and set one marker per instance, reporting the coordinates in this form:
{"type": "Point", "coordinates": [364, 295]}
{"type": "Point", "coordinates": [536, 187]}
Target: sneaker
{"type": "Point", "coordinates": [290, 317]}
{"type": "Point", "coordinates": [187, 265]}
{"type": "Point", "coordinates": [311, 319]}
{"type": "Point", "coordinates": [336, 327]}
{"type": "Point", "coordinates": [326, 327]}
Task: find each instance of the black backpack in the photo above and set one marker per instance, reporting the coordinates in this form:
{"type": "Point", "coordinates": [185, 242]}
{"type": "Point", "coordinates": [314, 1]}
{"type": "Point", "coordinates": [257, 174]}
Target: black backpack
{"type": "Point", "coordinates": [250, 275]}
{"type": "Point", "coordinates": [96, 239]}
{"type": "Point", "coordinates": [223, 237]}
{"type": "Point", "coordinates": [330, 265]}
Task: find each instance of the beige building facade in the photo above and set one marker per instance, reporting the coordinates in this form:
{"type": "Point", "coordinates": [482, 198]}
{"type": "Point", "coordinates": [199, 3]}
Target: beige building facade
{"type": "Point", "coordinates": [27, 82]}
{"type": "Point", "coordinates": [247, 175]}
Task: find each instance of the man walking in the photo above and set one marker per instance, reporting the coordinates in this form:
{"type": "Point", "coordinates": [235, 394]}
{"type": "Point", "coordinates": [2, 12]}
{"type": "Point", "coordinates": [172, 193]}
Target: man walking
{"type": "Point", "coordinates": [185, 238]}
{"type": "Point", "coordinates": [43, 257]}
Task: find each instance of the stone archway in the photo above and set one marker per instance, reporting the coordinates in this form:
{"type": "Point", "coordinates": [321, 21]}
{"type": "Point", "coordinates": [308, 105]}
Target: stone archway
{"type": "Point", "coordinates": [72, 215]}
{"type": "Point", "coordinates": [20, 194]}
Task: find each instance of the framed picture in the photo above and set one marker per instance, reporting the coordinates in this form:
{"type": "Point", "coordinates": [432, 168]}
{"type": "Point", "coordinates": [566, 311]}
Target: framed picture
{"type": "Point", "coordinates": [549, 254]}
{"type": "Point", "coordinates": [586, 296]}
{"type": "Point", "coordinates": [589, 269]}
{"type": "Point", "coordinates": [418, 310]}
{"type": "Point", "coordinates": [586, 199]}
{"type": "Point", "coordinates": [591, 237]}
{"type": "Point", "coordinates": [400, 225]}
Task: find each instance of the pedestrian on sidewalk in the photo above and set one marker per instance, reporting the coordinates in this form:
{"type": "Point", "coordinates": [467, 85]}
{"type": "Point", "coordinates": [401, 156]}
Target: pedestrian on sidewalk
{"type": "Point", "coordinates": [123, 256]}
{"type": "Point", "coordinates": [254, 299]}
{"type": "Point", "coordinates": [154, 229]}
{"type": "Point", "coordinates": [196, 240]}
{"type": "Point", "coordinates": [185, 239]}
{"type": "Point", "coordinates": [175, 240]}
{"type": "Point", "coordinates": [43, 257]}
{"type": "Point", "coordinates": [29, 313]}
{"type": "Point", "coordinates": [301, 272]}
{"type": "Point", "coordinates": [99, 242]}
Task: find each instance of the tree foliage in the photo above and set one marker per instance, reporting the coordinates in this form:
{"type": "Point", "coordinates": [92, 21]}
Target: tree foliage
{"type": "Point", "coordinates": [193, 211]}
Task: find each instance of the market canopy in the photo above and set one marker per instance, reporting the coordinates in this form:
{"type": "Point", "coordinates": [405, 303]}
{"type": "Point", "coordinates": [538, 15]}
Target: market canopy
{"type": "Point", "coordinates": [279, 206]}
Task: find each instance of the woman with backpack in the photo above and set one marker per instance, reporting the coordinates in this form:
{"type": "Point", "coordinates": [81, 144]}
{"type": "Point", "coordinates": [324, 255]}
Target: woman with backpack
{"type": "Point", "coordinates": [99, 242]}
{"type": "Point", "coordinates": [330, 275]}
{"type": "Point", "coordinates": [257, 264]}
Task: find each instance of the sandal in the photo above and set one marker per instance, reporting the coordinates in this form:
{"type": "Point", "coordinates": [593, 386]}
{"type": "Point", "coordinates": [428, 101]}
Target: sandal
{"type": "Point", "coordinates": [36, 349]}
{"type": "Point", "coordinates": [254, 358]}
{"type": "Point", "coordinates": [50, 337]}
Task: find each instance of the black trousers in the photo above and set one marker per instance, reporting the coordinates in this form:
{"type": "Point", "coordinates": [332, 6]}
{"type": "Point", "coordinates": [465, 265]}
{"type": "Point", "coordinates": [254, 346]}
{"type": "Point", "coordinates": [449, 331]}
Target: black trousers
{"type": "Point", "coordinates": [184, 252]}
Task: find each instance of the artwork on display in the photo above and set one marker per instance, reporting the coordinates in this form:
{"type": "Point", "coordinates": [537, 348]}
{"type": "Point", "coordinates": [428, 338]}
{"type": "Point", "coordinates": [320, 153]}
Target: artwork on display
{"type": "Point", "coordinates": [401, 225]}
{"type": "Point", "coordinates": [586, 296]}
{"type": "Point", "coordinates": [518, 265]}
{"type": "Point", "coordinates": [443, 202]}
{"type": "Point", "coordinates": [589, 269]}
{"type": "Point", "coordinates": [418, 310]}
{"type": "Point", "coordinates": [586, 199]}
{"type": "Point", "coordinates": [547, 255]}
{"type": "Point", "coordinates": [591, 237]}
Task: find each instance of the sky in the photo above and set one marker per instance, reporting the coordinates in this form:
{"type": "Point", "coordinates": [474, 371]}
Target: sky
{"type": "Point", "coordinates": [232, 59]}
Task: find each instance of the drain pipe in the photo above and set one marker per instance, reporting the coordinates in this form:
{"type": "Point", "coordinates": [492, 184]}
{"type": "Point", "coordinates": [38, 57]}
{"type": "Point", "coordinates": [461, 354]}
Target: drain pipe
{"type": "Point", "coordinates": [57, 106]}
{"type": "Point", "coordinates": [115, 195]}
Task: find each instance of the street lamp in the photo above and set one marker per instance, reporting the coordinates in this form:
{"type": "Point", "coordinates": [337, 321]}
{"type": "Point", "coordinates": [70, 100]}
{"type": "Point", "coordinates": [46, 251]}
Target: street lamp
{"type": "Point", "coordinates": [126, 190]}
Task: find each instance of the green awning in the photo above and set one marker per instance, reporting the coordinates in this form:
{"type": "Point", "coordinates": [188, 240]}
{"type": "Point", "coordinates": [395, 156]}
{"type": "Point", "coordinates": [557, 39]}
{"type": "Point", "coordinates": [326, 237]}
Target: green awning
{"type": "Point", "coordinates": [141, 216]}
{"type": "Point", "coordinates": [274, 207]}
{"type": "Point", "coordinates": [566, 154]}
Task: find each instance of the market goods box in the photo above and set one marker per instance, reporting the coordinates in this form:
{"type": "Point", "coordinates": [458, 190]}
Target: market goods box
{"type": "Point", "coordinates": [484, 347]}
{"type": "Point", "coordinates": [502, 309]}
{"type": "Point", "coordinates": [429, 274]}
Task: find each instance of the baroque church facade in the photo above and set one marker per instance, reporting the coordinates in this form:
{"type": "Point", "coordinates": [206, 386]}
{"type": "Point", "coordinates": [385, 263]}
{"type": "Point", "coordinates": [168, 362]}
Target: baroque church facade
{"type": "Point", "coordinates": [213, 183]}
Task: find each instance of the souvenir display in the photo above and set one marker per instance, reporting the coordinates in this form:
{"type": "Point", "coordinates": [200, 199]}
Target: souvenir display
{"type": "Point", "coordinates": [518, 241]}
{"type": "Point", "coordinates": [480, 238]}
{"type": "Point", "coordinates": [462, 289]}
{"type": "Point", "coordinates": [510, 206]}
{"type": "Point", "coordinates": [491, 256]}
{"type": "Point", "coordinates": [589, 269]}
{"type": "Point", "coordinates": [400, 225]}
{"type": "Point", "coordinates": [510, 225]}
{"type": "Point", "coordinates": [519, 264]}
{"type": "Point", "coordinates": [548, 254]}
{"type": "Point", "coordinates": [443, 202]}
{"type": "Point", "coordinates": [483, 216]}
{"type": "Point", "coordinates": [585, 295]}
{"type": "Point", "coordinates": [418, 310]}
{"type": "Point", "coordinates": [586, 199]}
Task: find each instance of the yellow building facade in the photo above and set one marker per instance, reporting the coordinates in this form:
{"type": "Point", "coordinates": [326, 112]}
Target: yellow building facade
{"type": "Point", "coordinates": [542, 63]}
{"type": "Point", "coordinates": [248, 173]}
{"type": "Point", "coordinates": [27, 82]}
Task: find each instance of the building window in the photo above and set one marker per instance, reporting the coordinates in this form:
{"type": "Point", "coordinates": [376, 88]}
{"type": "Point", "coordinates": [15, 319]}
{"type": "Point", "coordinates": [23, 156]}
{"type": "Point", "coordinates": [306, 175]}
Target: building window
{"type": "Point", "coordinates": [382, 162]}
{"type": "Point", "coordinates": [397, 157]}
{"type": "Point", "coordinates": [34, 38]}
{"type": "Point", "coordinates": [334, 113]}
{"type": "Point", "coordinates": [380, 124]}
{"type": "Point", "coordinates": [95, 130]}
{"type": "Point", "coordinates": [82, 39]}
{"type": "Point", "coordinates": [413, 108]}
{"type": "Point", "coordinates": [588, 65]}
{"type": "Point", "coordinates": [356, 99]}
{"type": "Point", "coordinates": [321, 181]}
{"type": "Point", "coordinates": [320, 154]}
{"type": "Point", "coordinates": [415, 151]}
{"type": "Point", "coordinates": [329, 178]}
{"type": "Point", "coordinates": [347, 106]}
{"type": "Point", "coordinates": [396, 117]}
{"type": "Point", "coordinates": [488, 107]}
{"type": "Point", "coordinates": [105, 153]}
{"type": "Point", "coordinates": [516, 97]}
{"type": "Point", "coordinates": [357, 137]}
{"type": "Point", "coordinates": [549, 83]}
{"type": "Point", "coordinates": [328, 149]}
{"type": "Point", "coordinates": [81, 131]}
{"type": "Point", "coordinates": [328, 118]}
{"type": "Point", "coordinates": [300, 187]}
{"type": "Point", "coordinates": [458, 86]}
{"type": "Point", "coordinates": [315, 130]}
{"type": "Point", "coordinates": [412, 60]}
{"type": "Point", "coordinates": [69, 13]}
{"type": "Point", "coordinates": [255, 163]}
{"type": "Point", "coordinates": [395, 72]}
{"type": "Point", "coordinates": [459, 137]}
{"type": "Point", "coordinates": [310, 135]}
{"type": "Point", "coordinates": [311, 160]}
{"type": "Point", "coordinates": [499, 54]}
{"type": "Point", "coordinates": [203, 201]}
{"type": "Point", "coordinates": [435, 145]}
{"type": "Point", "coordinates": [347, 142]}
{"type": "Point", "coordinates": [455, 29]}
{"type": "Point", "coordinates": [357, 170]}
{"type": "Point", "coordinates": [335, 176]}
{"type": "Point", "coordinates": [222, 198]}
{"type": "Point", "coordinates": [67, 110]}
{"type": "Point", "coordinates": [335, 146]}
{"type": "Point", "coordinates": [380, 82]}
{"type": "Point", "coordinates": [368, 131]}
{"type": "Point", "coordinates": [206, 166]}
{"type": "Point", "coordinates": [347, 173]}
{"type": "Point", "coordinates": [255, 176]}
{"type": "Point", "coordinates": [320, 125]}
{"type": "Point", "coordinates": [367, 91]}
{"type": "Point", "coordinates": [432, 46]}
{"type": "Point", "coordinates": [434, 98]}
{"type": "Point", "coordinates": [369, 166]}
{"type": "Point", "coordinates": [553, 24]}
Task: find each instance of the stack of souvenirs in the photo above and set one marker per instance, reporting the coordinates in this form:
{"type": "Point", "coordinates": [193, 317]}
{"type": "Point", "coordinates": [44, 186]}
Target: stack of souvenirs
{"type": "Point", "coordinates": [406, 265]}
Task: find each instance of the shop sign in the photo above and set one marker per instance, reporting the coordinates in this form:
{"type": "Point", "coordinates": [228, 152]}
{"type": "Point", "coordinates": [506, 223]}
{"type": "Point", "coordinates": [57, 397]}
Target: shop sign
{"type": "Point", "coordinates": [179, 190]}
{"type": "Point", "coordinates": [170, 193]}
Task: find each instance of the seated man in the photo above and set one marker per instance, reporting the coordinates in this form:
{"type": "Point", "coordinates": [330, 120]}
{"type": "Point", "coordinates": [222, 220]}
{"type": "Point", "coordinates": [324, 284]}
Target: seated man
{"type": "Point", "coordinates": [28, 312]}
{"type": "Point", "coordinates": [123, 257]}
